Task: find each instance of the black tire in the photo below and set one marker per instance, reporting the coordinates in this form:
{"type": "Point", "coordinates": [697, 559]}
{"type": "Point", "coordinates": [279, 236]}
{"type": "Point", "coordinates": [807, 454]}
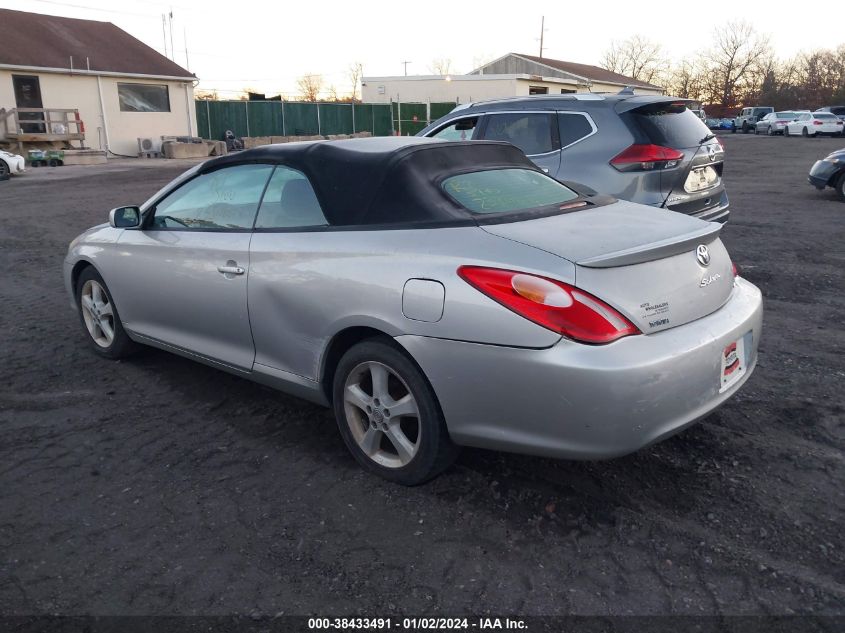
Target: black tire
{"type": "Point", "coordinates": [434, 449]}
{"type": "Point", "coordinates": [733, 128]}
{"type": "Point", "coordinates": [120, 345]}
{"type": "Point", "coordinates": [5, 172]}
{"type": "Point", "coordinates": [53, 162]}
{"type": "Point", "coordinates": [805, 133]}
{"type": "Point", "coordinates": [770, 131]}
{"type": "Point", "coordinates": [840, 186]}
{"type": "Point", "coordinates": [756, 131]}
{"type": "Point", "coordinates": [745, 127]}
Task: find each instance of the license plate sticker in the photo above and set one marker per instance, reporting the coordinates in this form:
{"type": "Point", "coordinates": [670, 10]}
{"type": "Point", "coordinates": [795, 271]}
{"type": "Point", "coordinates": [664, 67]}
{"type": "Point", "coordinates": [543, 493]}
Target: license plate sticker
{"type": "Point", "coordinates": [733, 363]}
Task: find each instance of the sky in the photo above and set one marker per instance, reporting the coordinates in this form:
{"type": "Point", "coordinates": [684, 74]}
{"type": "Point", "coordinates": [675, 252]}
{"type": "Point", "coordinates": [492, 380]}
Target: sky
{"type": "Point", "coordinates": [267, 45]}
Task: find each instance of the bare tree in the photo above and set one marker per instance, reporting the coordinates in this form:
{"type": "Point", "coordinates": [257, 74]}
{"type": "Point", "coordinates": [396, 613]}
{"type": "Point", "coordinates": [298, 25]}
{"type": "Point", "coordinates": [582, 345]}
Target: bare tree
{"type": "Point", "coordinates": [206, 95]}
{"type": "Point", "coordinates": [736, 62]}
{"type": "Point", "coordinates": [636, 57]}
{"type": "Point", "coordinates": [685, 80]}
{"type": "Point", "coordinates": [441, 66]}
{"type": "Point", "coordinates": [356, 72]}
{"type": "Point", "coordinates": [310, 86]}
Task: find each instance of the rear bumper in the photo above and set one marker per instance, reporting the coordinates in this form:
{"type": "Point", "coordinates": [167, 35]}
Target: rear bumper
{"type": "Point", "coordinates": [821, 173]}
{"type": "Point", "coordinates": [715, 208]}
{"type": "Point", "coordinates": [589, 402]}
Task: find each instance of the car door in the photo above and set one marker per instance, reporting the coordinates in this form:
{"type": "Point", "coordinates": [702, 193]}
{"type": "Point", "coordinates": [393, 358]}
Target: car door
{"type": "Point", "coordinates": [291, 276]}
{"type": "Point", "coordinates": [535, 133]}
{"type": "Point", "coordinates": [183, 275]}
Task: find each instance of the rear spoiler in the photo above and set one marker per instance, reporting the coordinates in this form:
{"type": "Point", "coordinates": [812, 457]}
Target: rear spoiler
{"type": "Point", "coordinates": [656, 250]}
{"type": "Point", "coordinates": [626, 105]}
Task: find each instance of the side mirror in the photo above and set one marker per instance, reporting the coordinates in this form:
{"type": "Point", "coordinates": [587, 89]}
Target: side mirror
{"type": "Point", "coordinates": [125, 217]}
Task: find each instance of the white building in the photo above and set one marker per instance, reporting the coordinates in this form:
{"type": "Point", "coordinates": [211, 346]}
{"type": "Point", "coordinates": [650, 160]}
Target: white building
{"type": "Point", "coordinates": [512, 75]}
{"type": "Point", "coordinates": [88, 82]}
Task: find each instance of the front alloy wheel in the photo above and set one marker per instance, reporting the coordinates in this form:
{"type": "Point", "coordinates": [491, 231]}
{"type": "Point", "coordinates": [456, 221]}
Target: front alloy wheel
{"type": "Point", "coordinates": [99, 316]}
{"type": "Point", "coordinates": [388, 415]}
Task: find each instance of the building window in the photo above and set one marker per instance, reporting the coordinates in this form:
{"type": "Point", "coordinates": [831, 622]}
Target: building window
{"type": "Point", "coordinates": [566, 91]}
{"type": "Point", "coordinates": [538, 90]}
{"type": "Point", "coordinates": [143, 98]}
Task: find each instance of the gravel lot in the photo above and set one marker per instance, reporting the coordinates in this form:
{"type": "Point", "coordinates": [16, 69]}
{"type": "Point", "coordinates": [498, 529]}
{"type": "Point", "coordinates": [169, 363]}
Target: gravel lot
{"type": "Point", "coordinates": [159, 486]}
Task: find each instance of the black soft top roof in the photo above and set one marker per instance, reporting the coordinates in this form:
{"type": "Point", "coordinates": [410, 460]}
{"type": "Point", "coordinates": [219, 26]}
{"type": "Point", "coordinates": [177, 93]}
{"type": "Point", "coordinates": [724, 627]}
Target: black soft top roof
{"type": "Point", "coordinates": [384, 180]}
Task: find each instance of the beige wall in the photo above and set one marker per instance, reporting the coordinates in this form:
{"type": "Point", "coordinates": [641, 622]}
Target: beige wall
{"type": "Point", "coordinates": [124, 128]}
{"type": "Point", "coordinates": [467, 88]}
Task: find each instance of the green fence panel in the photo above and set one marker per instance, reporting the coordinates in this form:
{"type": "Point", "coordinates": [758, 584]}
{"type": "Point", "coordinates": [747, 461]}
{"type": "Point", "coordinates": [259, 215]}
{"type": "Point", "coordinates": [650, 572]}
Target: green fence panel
{"type": "Point", "coordinates": [265, 118]}
{"type": "Point", "coordinates": [363, 113]}
{"type": "Point", "coordinates": [382, 120]}
{"type": "Point", "coordinates": [335, 118]}
{"type": "Point", "coordinates": [301, 119]}
{"type": "Point", "coordinates": [441, 109]}
{"type": "Point", "coordinates": [202, 119]}
{"type": "Point", "coordinates": [409, 118]}
{"type": "Point", "coordinates": [226, 115]}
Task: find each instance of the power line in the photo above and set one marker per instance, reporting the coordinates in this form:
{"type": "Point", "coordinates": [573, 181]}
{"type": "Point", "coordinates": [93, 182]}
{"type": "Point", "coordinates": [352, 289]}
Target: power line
{"type": "Point", "coordinates": [81, 6]}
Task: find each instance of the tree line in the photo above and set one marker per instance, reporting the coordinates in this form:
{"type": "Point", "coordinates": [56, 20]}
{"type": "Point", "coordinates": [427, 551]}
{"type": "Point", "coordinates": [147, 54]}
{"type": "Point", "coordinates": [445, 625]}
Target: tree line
{"type": "Point", "coordinates": [740, 68]}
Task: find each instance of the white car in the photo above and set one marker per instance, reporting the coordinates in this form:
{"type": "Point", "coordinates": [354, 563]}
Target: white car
{"type": "Point", "coordinates": [11, 164]}
{"type": "Point", "coordinates": [813, 124]}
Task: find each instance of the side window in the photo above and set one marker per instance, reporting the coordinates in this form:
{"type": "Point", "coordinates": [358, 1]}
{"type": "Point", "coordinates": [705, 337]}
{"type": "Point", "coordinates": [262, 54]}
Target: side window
{"type": "Point", "coordinates": [460, 130]}
{"type": "Point", "coordinates": [289, 202]}
{"type": "Point", "coordinates": [223, 199]}
{"type": "Point", "coordinates": [530, 132]}
{"type": "Point", "coordinates": [573, 127]}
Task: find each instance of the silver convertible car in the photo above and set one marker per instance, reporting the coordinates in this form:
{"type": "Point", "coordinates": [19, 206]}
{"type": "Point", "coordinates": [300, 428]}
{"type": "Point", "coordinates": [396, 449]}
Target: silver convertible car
{"type": "Point", "coordinates": [434, 293]}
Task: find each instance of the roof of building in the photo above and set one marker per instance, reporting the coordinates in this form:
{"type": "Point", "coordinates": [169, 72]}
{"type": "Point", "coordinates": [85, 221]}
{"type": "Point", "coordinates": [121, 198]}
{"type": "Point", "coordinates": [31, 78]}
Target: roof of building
{"type": "Point", "coordinates": [592, 73]}
{"type": "Point", "coordinates": [48, 41]}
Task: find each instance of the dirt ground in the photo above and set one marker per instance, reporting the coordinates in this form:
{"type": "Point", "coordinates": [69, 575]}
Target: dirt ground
{"type": "Point", "coordinates": [160, 486]}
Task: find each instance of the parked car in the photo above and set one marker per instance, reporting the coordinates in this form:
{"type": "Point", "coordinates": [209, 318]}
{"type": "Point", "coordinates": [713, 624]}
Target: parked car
{"type": "Point", "coordinates": [830, 172]}
{"type": "Point", "coordinates": [700, 113]}
{"type": "Point", "coordinates": [646, 149]}
{"type": "Point", "coordinates": [433, 293]}
{"type": "Point", "coordinates": [814, 124]}
{"type": "Point", "coordinates": [748, 117]}
{"type": "Point", "coordinates": [11, 164]}
{"type": "Point", "coordinates": [837, 110]}
{"type": "Point", "coordinates": [774, 123]}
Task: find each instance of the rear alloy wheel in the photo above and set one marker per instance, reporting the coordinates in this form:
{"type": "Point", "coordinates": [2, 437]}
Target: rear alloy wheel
{"type": "Point", "coordinates": [100, 318]}
{"type": "Point", "coordinates": [388, 415]}
{"type": "Point", "coordinates": [840, 186]}
{"type": "Point", "coordinates": [770, 131]}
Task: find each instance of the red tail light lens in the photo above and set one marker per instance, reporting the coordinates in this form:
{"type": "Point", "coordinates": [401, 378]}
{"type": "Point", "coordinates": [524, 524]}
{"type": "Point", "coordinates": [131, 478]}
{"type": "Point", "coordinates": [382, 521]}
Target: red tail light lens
{"type": "Point", "coordinates": [552, 304]}
{"type": "Point", "coordinates": [817, 122]}
{"type": "Point", "coordinates": [735, 269]}
{"type": "Point", "coordinates": [646, 157]}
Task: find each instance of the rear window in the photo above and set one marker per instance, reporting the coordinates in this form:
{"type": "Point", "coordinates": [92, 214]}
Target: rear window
{"type": "Point", "coordinates": [838, 110]}
{"type": "Point", "coordinates": [505, 190]}
{"type": "Point", "coordinates": [671, 125]}
{"type": "Point", "coordinates": [786, 115]}
{"type": "Point", "coordinates": [759, 111]}
{"type": "Point", "coordinates": [824, 115]}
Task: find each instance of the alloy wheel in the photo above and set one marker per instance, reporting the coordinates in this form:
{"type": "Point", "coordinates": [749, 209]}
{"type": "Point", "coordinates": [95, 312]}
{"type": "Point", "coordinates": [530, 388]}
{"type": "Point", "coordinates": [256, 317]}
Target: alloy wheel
{"type": "Point", "coordinates": [382, 414]}
{"type": "Point", "coordinates": [97, 313]}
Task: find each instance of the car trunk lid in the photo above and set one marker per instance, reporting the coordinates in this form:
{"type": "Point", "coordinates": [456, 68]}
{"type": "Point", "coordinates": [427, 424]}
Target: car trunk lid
{"type": "Point", "coordinates": [642, 261]}
{"type": "Point", "coordinates": [694, 185]}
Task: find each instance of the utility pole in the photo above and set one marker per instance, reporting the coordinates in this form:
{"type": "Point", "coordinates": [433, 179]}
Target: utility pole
{"type": "Point", "coordinates": [164, 32]}
{"type": "Point", "coordinates": [172, 49]}
{"type": "Point", "coordinates": [185, 38]}
{"type": "Point", "coordinates": [542, 31]}
{"type": "Point", "coordinates": [406, 67]}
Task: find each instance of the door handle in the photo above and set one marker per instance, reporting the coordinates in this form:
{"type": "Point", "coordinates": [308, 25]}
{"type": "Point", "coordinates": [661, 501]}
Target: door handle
{"type": "Point", "coordinates": [231, 270]}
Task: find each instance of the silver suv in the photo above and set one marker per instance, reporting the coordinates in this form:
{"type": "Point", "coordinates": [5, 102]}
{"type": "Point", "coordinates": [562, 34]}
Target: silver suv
{"type": "Point", "coordinates": [646, 149]}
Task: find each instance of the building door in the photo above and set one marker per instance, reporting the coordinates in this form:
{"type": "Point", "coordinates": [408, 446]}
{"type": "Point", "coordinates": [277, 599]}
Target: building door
{"type": "Point", "coordinates": [28, 95]}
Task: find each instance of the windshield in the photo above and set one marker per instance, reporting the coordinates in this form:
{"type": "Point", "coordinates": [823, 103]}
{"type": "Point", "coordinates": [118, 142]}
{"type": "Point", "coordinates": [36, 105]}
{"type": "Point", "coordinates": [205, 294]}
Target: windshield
{"type": "Point", "coordinates": [671, 125]}
{"type": "Point", "coordinates": [506, 190]}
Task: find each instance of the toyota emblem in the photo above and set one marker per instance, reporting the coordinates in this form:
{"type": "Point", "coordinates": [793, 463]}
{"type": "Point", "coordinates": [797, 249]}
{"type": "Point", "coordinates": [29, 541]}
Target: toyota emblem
{"type": "Point", "coordinates": [702, 254]}
{"type": "Point", "coordinates": [712, 152]}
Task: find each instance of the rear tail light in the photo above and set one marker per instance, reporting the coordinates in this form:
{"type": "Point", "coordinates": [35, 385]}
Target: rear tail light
{"type": "Point", "coordinates": [721, 144]}
{"type": "Point", "coordinates": [646, 157]}
{"type": "Point", "coordinates": [817, 122]}
{"type": "Point", "coordinates": [735, 269]}
{"type": "Point", "coordinates": [552, 304]}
